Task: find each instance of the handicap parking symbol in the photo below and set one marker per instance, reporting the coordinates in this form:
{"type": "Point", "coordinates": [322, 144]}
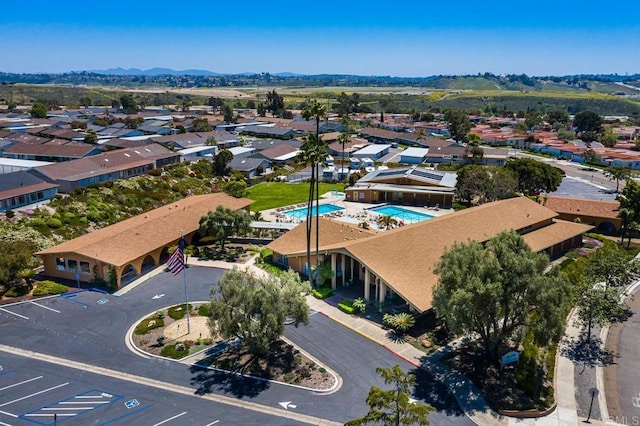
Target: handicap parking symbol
{"type": "Point", "coordinates": [131, 403]}
{"type": "Point", "coordinates": [102, 301]}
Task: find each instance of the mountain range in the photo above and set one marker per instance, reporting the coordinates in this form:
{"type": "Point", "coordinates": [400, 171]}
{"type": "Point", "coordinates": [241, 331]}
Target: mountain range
{"type": "Point", "coordinates": [152, 72]}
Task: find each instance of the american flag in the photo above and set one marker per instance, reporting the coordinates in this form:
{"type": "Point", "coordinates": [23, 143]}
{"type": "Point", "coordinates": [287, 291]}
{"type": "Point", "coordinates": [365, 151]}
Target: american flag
{"type": "Point", "coordinates": [176, 261]}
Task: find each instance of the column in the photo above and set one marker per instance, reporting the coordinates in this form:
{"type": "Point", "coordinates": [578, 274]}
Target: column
{"type": "Point", "coordinates": [333, 269]}
{"type": "Point", "coordinates": [382, 293]}
{"type": "Point", "coordinates": [342, 268]}
{"type": "Point", "coordinates": [367, 279]}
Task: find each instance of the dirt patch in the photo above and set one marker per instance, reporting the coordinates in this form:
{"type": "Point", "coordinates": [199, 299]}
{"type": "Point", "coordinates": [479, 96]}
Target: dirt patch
{"type": "Point", "coordinates": [283, 363]}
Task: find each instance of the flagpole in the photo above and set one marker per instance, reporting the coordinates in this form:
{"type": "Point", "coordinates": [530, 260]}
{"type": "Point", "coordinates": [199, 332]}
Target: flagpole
{"type": "Point", "coordinates": [186, 294]}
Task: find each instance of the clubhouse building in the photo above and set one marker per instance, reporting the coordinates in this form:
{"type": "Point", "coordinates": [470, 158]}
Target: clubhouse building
{"type": "Point", "coordinates": [134, 246]}
{"type": "Point", "coordinates": [396, 266]}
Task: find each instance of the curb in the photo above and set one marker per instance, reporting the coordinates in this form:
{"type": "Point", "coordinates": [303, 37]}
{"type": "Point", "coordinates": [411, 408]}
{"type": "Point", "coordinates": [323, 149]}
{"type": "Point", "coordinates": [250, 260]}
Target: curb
{"type": "Point", "coordinates": [402, 357]}
{"type": "Point", "coordinates": [141, 353]}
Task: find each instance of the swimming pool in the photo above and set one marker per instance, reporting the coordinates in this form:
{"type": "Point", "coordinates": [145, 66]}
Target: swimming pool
{"type": "Point", "coordinates": [407, 216]}
{"type": "Point", "coordinates": [302, 213]}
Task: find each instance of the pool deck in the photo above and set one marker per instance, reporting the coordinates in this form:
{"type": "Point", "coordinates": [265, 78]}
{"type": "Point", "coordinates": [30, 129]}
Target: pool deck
{"type": "Point", "coordinates": [353, 213]}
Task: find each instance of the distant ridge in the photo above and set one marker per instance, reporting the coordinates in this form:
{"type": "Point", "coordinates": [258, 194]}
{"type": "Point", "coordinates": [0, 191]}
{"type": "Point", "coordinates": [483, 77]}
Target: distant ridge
{"type": "Point", "coordinates": [152, 72]}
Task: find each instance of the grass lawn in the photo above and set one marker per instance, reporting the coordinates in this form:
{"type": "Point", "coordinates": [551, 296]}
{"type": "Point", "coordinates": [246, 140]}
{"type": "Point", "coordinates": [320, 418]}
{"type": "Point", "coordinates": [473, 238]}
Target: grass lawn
{"type": "Point", "coordinates": [270, 195]}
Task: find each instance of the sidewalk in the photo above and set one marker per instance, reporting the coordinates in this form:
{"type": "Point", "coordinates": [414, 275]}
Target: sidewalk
{"type": "Point", "coordinates": [463, 390]}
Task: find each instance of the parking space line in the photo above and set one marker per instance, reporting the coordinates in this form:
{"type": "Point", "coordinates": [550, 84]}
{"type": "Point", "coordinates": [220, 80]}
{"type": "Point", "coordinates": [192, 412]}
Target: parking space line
{"type": "Point", "coordinates": [13, 313]}
{"type": "Point", "coordinates": [45, 307]}
{"type": "Point", "coordinates": [66, 408]}
{"type": "Point", "coordinates": [84, 402]}
{"type": "Point", "coordinates": [21, 383]}
{"type": "Point", "coordinates": [213, 423]}
{"type": "Point", "coordinates": [126, 415]}
{"type": "Point", "coordinates": [4, 424]}
{"type": "Point", "coordinates": [5, 372]}
{"type": "Point", "coordinates": [9, 414]}
{"type": "Point", "coordinates": [50, 414]}
{"type": "Point", "coordinates": [171, 418]}
{"type": "Point", "coordinates": [34, 394]}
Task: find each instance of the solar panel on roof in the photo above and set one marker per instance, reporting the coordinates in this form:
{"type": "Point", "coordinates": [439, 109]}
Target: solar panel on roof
{"type": "Point", "coordinates": [390, 173]}
{"type": "Point", "coordinates": [427, 174]}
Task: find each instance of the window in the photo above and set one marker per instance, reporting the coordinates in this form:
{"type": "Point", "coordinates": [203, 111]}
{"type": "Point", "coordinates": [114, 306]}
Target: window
{"type": "Point", "coordinates": [361, 195]}
{"type": "Point", "coordinates": [72, 265]}
{"type": "Point", "coordinates": [84, 268]}
{"type": "Point", "coordinates": [60, 266]}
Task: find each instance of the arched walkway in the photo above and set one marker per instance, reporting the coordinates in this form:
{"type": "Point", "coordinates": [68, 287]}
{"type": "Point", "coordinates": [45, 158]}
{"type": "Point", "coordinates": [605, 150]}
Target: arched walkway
{"type": "Point", "coordinates": [129, 274]}
{"type": "Point", "coordinates": [147, 264]}
{"type": "Point", "coordinates": [607, 228]}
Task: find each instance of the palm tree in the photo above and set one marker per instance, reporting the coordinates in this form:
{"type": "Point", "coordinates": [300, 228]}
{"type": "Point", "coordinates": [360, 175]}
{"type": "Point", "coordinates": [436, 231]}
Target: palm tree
{"type": "Point", "coordinates": [315, 153]}
{"type": "Point", "coordinates": [386, 221]}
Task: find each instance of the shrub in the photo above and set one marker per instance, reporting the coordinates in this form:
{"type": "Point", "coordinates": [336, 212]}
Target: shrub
{"type": "Point", "coordinates": [359, 304]}
{"type": "Point", "coordinates": [346, 306]}
{"type": "Point", "coordinates": [38, 222]}
{"type": "Point", "coordinates": [527, 371]}
{"type": "Point", "coordinates": [322, 292]}
{"type": "Point", "coordinates": [54, 223]}
{"type": "Point", "coordinates": [148, 324]}
{"type": "Point", "coordinates": [401, 321]}
{"type": "Point", "coordinates": [155, 172]}
{"type": "Point", "coordinates": [17, 291]}
{"type": "Point", "coordinates": [10, 214]}
{"type": "Point", "coordinates": [47, 288]}
{"type": "Point", "coordinates": [177, 351]}
{"type": "Point", "coordinates": [207, 240]}
{"type": "Point", "coordinates": [204, 310]}
{"type": "Point", "coordinates": [178, 312]}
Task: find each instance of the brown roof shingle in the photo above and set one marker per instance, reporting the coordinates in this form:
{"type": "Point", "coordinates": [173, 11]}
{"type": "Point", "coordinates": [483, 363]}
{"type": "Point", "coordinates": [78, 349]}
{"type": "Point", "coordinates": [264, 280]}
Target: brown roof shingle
{"type": "Point", "coordinates": [125, 241]}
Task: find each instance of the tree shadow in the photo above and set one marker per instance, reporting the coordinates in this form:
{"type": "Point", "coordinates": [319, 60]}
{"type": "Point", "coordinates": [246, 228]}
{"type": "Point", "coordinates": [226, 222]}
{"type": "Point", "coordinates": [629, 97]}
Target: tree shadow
{"type": "Point", "coordinates": [215, 381]}
{"type": "Point", "coordinates": [434, 393]}
{"type": "Point", "coordinates": [395, 337]}
{"type": "Point", "coordinates": [588, 352]}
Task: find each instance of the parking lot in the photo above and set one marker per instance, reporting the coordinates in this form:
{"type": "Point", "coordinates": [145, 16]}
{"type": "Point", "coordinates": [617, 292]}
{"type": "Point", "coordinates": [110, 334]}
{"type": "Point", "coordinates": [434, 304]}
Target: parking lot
{"type": "Point", "coordinates": [31, 392]}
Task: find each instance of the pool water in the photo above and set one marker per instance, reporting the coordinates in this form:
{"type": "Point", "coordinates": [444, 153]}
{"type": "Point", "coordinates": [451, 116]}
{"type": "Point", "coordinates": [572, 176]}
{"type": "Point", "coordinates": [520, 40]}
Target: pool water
{"type": "Point", "coordinates": [302, 213]}
{"type": "Point", "coordinates": [407, 216]}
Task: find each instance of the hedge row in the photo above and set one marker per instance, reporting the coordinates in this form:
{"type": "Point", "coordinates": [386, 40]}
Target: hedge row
{"type": "Point", "coordinates": [47, 288]}
{"type": "Point", "coordinates": [346, 306]}
{"type": "Point", "coordinates": [322, 292]}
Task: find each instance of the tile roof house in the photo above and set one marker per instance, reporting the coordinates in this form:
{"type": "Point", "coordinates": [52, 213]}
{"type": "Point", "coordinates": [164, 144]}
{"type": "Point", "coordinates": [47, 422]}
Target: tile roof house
{"type": "Point", "coordinates": [602, 215]}
{"type": "Point", "coordinates": [108, 166]}
{"type": "Point", "coordinates": [401, 261]}
{"type": "Point", "coordinates": [133, 246]}
{"type": "Point", "coordinates": [18, 189]}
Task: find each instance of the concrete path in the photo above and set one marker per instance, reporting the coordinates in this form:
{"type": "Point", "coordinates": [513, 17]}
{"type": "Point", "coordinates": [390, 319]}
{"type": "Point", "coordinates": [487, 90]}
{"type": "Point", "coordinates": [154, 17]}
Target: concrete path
{"type": "Point", "coordinates": [464, 391]}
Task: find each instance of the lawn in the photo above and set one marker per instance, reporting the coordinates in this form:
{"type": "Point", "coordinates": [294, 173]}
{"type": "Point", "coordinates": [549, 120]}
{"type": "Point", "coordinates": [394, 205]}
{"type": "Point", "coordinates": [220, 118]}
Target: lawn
{"type": "Point", "coordinates": [270, 195]}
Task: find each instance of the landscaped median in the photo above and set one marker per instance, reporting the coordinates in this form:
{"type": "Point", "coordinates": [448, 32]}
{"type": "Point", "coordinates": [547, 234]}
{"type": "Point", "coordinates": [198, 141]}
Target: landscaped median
{"type": "Point", "coordinates": [164, 334]}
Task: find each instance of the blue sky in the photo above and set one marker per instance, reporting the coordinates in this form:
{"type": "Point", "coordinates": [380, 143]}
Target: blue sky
{"type": "Point", "coordinates": [402, 38]}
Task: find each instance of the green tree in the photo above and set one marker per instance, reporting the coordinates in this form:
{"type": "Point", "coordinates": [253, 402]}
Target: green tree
{"type": "Point", "coordinates": [255, 310]}
{"type": "Point", "coordinates": [617, 173]}
{"type": "Point", "coordinates": [459, 124]}
{"type": "Point", "coordinates": [91, 138]}
{"type": "Point", "coordinates": [394, 406]}
{"type": "Point", "coordinates": [534, 176]}
{"type": "Point", "coordinates": [491, 292]}
{"type": "Point", "coordinates": [15, 257]}
{"type": "Point", "coordinates": [223, 223]}
{"type": "Point", "coordinates": [587, 121]}
{"type": "Point", "coordinates": [227, 112]}
{"type": "Point", "coordinates": [609, 139]}
{"type": "Point", "coordinates": [566, 135]}
{"type": "Point", "coordinates": [598, 305]}
{"type": "Point", "coordinates": [629, 199]}
{"type": "Point", "coordinates": [558, 119]}
{"type": "Point", "coordinates": [590, 156]}
{"type": "Point", "coordinates": [200, 125]}
{"type": "Point", "coordinates": [128, 103]}
{"type": "Point", "coordinates": [274, 103]}
{"type": "Point", "coordinates": [221, 162]}
{"type": "Point", "coordinates": [211, 141]}
{"type": "Point", "coordinates": [236, 188]}
{"type": "Point", "coordinates": [39, 110]}
{"type": "Point", "coordinates": [474, 154]}
{"type": "Point", "coordinates": [473, 184]}
{"type": "Point", "coordinates": [314, 152]}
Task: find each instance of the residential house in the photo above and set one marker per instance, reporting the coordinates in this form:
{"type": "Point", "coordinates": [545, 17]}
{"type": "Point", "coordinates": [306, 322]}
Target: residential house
{"type": "Point", "coordinates": [414, 186]}
{"type": "Point", "coordinates": [18, 189]}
